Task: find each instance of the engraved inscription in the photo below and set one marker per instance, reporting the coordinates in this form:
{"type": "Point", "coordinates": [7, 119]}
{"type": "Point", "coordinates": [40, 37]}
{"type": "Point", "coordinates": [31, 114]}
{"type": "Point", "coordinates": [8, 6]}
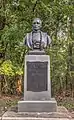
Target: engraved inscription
{"type": "Point", "coordinates": [37, 76]}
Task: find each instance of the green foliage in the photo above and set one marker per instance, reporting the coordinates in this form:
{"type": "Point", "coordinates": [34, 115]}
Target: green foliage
{"type": "Point", "coordinates": [7, 68]}
{"type": "Point", "coordinates": [16, 20]}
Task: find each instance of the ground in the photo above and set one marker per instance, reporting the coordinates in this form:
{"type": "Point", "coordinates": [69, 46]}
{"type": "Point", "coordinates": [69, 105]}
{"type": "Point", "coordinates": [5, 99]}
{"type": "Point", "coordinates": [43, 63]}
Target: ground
{"type": "Point", "coordinates": [7, 101]}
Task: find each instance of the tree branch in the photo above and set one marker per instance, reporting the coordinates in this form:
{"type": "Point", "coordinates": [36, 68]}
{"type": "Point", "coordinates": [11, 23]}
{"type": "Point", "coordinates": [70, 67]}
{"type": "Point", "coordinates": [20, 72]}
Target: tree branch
{"type": "Point", "coordinates": [35, 5]}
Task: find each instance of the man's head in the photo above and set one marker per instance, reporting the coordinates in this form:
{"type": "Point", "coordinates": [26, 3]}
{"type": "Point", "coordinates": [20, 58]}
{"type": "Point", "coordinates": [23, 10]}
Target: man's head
{"type": "Point", "coordinates": [37, 24]}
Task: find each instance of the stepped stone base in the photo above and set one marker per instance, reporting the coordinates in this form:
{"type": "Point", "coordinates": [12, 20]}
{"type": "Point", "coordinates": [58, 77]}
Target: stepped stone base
{"type": "Point", "coordinates": [37, 106]}
{"type": "Point", "coordinates": [61, 114]}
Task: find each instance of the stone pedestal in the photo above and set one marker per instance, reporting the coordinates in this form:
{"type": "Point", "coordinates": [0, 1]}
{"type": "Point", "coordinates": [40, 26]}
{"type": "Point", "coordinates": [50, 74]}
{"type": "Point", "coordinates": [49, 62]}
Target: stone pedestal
{"type": "Point", "coordinates": [37, 106]}
{"type": "Point", "coordinates": [37, 84]}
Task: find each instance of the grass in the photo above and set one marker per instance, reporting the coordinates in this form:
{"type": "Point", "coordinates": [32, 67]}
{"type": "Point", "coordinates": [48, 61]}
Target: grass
{"type": "Point", "coordinates": [67, 102]}
{"type": "Point", "coordinates": [8, 101]}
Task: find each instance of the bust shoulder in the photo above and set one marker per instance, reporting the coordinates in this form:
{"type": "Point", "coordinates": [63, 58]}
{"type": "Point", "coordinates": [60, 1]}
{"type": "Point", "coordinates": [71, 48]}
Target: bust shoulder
{"type": "Point", "coordinates": [44, 33]}
{"type": "Point", "coordinates": [28, 35]}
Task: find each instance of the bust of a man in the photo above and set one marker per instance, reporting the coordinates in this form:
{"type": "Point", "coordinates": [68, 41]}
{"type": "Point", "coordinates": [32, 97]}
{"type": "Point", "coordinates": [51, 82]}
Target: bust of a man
{"type": "Point", "coordinates": [37, 40]}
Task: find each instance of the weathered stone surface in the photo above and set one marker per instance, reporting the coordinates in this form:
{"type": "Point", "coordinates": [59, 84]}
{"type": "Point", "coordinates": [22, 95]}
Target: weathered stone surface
{"type": "Point", "coordinates": [72, 114]}
{"type": "Point", "coordinates": [37, 76]}
{"type": "Point", "coordinates": [44, 95]}
{"type": "Point", "coordinates": [1, 113]}
{"type": "Point", "coordinates": [37, 106]}
{"type": "Point", "coordinates": [36, 52]}
{"type": "Point", "coordinates": [21, 118]}
{"type": "Point", "coordinates": [61, 114]}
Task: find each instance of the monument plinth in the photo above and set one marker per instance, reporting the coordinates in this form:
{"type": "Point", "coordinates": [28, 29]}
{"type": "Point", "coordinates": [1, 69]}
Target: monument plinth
{"type": "Point", "coordinates": [37, 84]}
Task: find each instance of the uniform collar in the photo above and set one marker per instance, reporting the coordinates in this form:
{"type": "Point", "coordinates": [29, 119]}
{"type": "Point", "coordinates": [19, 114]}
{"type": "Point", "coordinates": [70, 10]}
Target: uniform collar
{"type": "Point", "coordinates": [36, 31]}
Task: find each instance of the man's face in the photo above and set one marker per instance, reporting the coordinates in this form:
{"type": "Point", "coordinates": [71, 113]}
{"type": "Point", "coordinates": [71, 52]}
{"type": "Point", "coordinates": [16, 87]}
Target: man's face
{"type": "Point", "coordinates": [36, 24]}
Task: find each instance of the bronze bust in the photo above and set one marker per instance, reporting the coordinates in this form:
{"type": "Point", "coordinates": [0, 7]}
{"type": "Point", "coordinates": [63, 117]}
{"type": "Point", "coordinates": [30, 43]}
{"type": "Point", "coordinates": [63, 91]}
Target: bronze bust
{"type": "Point", "coordinates": [37, 40]}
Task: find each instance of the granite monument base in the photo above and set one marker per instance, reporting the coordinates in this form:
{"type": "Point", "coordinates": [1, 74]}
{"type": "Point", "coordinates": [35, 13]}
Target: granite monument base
{"type": "Point", "coordinates": [36, 96]}
{"type": "Point", "coordinates": [37, 84]}
{"type": "Point", "coordinates": [37, 106]}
